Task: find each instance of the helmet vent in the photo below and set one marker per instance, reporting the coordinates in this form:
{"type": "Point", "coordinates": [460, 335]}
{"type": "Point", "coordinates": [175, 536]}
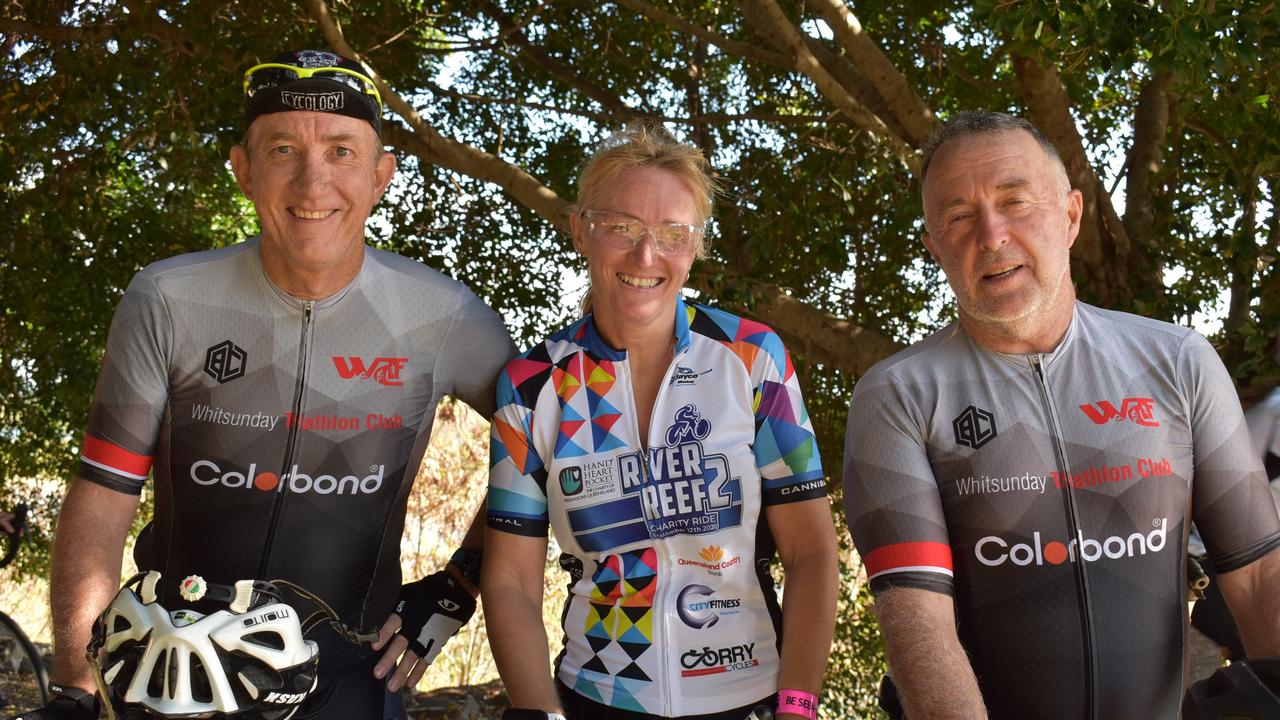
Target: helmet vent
{"type": "Point", "coordinates": [200, 690]}
{"type": "Point", "coordinates": [266, 638]}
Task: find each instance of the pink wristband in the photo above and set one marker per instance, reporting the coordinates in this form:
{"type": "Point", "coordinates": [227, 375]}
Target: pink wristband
{"type": "Point", "coordinates": [798, 702]}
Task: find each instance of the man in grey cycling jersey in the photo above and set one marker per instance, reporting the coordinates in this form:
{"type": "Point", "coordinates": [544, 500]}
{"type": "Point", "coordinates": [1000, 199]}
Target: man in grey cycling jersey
{"type": "Point", "coordinates": [282, 392]}
{"type": "Point", "coordinates": [1020, 483]}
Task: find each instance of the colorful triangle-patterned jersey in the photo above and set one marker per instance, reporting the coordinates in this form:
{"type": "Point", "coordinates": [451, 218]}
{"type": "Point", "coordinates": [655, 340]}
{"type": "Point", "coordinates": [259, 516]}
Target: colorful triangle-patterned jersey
{"type": "Point", "coordinates": [669, 612]}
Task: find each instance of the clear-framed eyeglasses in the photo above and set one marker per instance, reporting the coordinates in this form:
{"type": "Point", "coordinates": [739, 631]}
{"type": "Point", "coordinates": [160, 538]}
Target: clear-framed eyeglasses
{"type": "Point", "coordinates": [622, 231]}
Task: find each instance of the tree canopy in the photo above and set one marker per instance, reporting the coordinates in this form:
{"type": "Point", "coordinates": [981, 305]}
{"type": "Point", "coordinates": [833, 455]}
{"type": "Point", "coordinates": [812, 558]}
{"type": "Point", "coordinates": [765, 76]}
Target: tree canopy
{"type": "Point", "coordinates": [118, 117]}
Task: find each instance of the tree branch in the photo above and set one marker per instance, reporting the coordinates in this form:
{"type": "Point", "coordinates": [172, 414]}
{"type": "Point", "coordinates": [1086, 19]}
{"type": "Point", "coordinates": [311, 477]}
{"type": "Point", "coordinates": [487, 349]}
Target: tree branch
{"type": "Point", "coordinates": [772, 24]}
{"type": "Point", "coordinates": [827, 339]}
{"type": "Point", "coordinates": [733, 47]}
{"type": "Point", "coordinates": [842, 344]}
{"type": "Point", "coordinates": [907, 107]}
{"type": "Point", "coordinates": [428, 144]}
{"type": "Point", "coordinates": [1150, 128]}
{"type": "Point", "coordinates": [57, 33]}
{"type": "Point", "coordinates": [608, 100]}
{"type": "Point", "coordinates": [1244, 260]}
{"type": "Point", "coordinates": [1101, 255]}
{"type": "Point", "coordinates": [606, 118]}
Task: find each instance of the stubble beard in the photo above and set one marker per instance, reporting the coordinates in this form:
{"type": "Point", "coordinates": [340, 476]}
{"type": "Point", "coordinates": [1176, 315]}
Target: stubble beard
{"type": "Point", "coordinates": [1029, 318]}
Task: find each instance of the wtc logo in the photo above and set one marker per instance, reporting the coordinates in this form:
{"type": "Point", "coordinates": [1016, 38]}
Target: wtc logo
{"type": "Point", "coordinates": [974, 427]}
{"type": "Point", "coordinates": [1139, 410]}
{"type": "Point", "coordinates": [384, 370]}
{"type": "Point", "coordinates": [225, 361]}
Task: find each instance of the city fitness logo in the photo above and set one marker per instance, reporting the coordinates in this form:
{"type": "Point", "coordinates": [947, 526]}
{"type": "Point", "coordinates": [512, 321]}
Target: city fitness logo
{"type": "Point", "coordinates": [713, 661]}
{"type": "Point", "coordinates": [974, 427]}
{"type": "Point", "coordinates": [383, 370]}
{"type": "Point", "coordinates": [994, 552]}
{"type": "Point", "coordinates": [225, 361]}
{"type": "Point", "coordinates": [207, 472]}
{"type": "Point", "coordinates": [697, 608]}
{"type": "Point", "coordinates": [1138, 410]}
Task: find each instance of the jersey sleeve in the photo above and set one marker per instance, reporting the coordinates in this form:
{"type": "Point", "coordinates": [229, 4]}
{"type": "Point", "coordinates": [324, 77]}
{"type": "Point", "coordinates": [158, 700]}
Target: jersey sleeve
{"type": "Point", "coordinates": [891, 498]}
{"type": "Point", "coordinates": [132, 392]}
{"type": "Point", "coordinates": [517, 477]}
{"type": "Point", "coordinates": [1231, 504]}
{"type": "Point", "coordinates": [1264, 427]}
{"type": "Point", "coordinates": [473, 352]}
{"type": "Point", "coordinates": [785, 447]}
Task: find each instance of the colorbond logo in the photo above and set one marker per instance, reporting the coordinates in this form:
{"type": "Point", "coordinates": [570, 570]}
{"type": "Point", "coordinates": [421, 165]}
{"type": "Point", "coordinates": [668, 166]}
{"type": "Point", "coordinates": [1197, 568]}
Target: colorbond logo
{"type": "Point", "coordinates": [207, 472]}
{"type": "Point", "coordinates": [994, 551]}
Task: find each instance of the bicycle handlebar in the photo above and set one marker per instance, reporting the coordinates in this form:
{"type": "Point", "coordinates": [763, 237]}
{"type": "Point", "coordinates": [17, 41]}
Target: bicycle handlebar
{"type": "Point", "coordinates": [19, 529]}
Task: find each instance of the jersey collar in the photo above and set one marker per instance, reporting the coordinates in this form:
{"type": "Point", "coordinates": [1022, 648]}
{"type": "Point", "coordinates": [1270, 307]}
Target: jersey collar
{"type": "Point", "coordinates": [597, 346]}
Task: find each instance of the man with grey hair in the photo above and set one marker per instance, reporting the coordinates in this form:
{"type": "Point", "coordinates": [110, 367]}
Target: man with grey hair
{"type": "Point", "coordinates": [1019, 484]}
{"type": "Point", "coordinates": [280, 392]}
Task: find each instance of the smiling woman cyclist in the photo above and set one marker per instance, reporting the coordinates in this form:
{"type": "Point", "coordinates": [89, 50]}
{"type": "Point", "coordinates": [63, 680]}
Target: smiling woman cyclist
{"type": "Point", "coordinates": [667, 446]}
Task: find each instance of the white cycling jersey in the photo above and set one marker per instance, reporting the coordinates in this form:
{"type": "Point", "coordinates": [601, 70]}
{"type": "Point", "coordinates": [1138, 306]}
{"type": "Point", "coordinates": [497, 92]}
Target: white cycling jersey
{"type": "Point", "coordinates": [671, 609]}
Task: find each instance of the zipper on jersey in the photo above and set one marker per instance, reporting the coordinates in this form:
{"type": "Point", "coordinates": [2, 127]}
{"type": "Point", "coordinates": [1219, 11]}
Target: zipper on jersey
{"type": "Point", "coordinates": [663, 595]}
{"type": "Point", "coordinates": [299, 389]}
{"type": "Point", "coordinates": [1083, 599]}
{"type": "Point", "coordinates": [661, 625]}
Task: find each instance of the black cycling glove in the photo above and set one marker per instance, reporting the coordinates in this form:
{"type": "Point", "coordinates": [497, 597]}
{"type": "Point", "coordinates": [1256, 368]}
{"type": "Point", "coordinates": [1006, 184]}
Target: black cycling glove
{"type": "Point", "coordinates": [431, 611]}
{"type": "Point", "coordinates": [69, 703]}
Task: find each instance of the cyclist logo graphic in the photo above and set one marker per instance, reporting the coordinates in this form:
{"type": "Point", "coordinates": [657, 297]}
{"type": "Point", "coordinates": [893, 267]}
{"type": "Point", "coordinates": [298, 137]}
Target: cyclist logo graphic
{"type": "Point", "coordinates": [689, 424]}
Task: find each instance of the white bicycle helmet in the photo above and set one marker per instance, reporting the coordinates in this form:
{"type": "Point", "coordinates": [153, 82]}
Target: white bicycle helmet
{"type": "Point", "coordinates": [248, 661]}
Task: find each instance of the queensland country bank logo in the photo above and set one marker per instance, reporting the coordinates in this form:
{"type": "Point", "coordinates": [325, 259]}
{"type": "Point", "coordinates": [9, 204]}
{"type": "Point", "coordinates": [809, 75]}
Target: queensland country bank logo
{"type": "Point", "coordinates": [382, 370]}
{"type": "Point", "coordinates": [1137, 410]}
{"type": "Point", "coordinates": [713, 559]}
{"type": "Point", "coordinates": [974, 427]}
{"type": "Point", "coordinates": [225, 361]}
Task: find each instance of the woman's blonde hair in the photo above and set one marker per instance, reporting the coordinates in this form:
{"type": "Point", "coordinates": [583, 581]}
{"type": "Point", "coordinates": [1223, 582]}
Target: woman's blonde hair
{"type": "Point", "coordinates": [644, 144]}
{"type": "Point", "coordinates": [649, 145]}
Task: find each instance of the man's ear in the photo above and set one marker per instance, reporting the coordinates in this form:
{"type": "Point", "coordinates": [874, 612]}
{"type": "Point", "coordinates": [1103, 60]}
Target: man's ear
{"type": "Point", "coordinates": [383, 172]}
{"type": "Point", "coordinates": [240, 169]}
{"type": "Point", "coordinates": [927, 239]}
{"type": "Point", "coordinates": [1075, 211]}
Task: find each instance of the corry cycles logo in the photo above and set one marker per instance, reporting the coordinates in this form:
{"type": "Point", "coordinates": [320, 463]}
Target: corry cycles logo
{"type": "Point", "coordinates": [383, 370]}
{"type": "Point", "coordinates": [685, 377]}
{"type": "Point", "coordinates": [713, 661]}
{"type": "Point", "coordinates": [711, 558]}
{"type": "Point", "coordinates": [686, 491]}
{"type": "Point", "coordinates": [994, 551]}
{"type": "Point", "coordinates": [207, 472]}
{"type": "Point", "coordinates": [1138, 410]}
{"type": "Point", "coordinates": [698, 609]}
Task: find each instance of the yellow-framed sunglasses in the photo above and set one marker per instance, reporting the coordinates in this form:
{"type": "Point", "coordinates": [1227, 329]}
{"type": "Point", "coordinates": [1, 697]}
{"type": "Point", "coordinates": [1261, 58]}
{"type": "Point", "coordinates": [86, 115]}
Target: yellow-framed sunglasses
{"type": "Point", "coordinates": [269, 75]}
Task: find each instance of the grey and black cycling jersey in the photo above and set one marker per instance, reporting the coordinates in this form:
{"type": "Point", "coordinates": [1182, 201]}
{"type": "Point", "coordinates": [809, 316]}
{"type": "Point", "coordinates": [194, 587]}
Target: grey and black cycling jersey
{"type": "Point", "coordinates": [1051, 496]}
{"type": "Point", "coordinates": [284, 435]}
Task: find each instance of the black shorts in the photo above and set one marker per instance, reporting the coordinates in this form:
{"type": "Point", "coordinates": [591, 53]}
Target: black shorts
{"type": "Point", "coordinates": [577, 707]}
{"type": "Point", "coordinates": [352, 693]}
